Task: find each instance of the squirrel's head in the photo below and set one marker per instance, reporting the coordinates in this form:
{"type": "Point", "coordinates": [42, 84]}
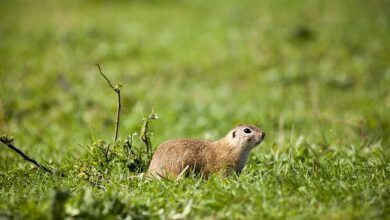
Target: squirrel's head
{"type": "Point", "coordinates": [246, 136]}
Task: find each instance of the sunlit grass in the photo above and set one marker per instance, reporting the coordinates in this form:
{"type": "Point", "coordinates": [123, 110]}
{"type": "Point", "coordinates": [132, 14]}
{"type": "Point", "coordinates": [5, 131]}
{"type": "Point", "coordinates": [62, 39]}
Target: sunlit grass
{"type": "Point", "coordinates": [313, 75]}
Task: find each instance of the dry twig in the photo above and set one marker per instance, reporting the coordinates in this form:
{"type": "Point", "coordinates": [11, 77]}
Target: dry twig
{"type": "Point", "coordinates": [7, 140]}
{"type": "Point", "coordinates": [116, 89]}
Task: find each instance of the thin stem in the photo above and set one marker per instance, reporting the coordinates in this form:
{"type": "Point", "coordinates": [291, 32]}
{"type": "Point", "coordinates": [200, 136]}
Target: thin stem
{"type": "Point", "coordinates": [105, 77]}
{"type": "Point", "coordinates": [24, 155]}
{"type": "Point", "coordinates": [118, 112]}
{"type": "Point", "coordinates": [116, 89]}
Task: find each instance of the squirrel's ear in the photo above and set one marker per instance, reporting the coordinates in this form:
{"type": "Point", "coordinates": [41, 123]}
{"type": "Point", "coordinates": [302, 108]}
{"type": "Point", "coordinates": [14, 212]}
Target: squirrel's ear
{"type": "Point", "coordinates": [234, 134]}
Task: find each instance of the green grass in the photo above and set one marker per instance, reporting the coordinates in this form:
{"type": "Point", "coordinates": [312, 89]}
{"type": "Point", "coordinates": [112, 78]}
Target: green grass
{"type": "Point", "coordinates": [314, 76]}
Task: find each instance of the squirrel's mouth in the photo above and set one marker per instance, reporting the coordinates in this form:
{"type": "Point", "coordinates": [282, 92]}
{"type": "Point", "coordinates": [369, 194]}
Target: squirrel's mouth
{"type": "Point", "coordinates": [254, 141]}
{"type": "Point", "coordinates": [259, 141]}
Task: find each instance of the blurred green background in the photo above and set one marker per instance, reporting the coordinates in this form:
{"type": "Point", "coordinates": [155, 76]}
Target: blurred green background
{"type": "Point", "coordinates": [320, 67]}
{"type": "Point", "coordinates": [318, 70]}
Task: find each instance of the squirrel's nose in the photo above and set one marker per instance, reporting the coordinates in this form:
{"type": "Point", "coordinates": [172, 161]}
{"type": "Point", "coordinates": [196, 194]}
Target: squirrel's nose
{"type": "Point", "coordinates": [262, 135]}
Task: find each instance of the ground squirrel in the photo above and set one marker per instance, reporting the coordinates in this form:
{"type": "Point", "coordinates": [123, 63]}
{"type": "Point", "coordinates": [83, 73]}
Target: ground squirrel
{"type": "Point", "coordinates": [226, 155]}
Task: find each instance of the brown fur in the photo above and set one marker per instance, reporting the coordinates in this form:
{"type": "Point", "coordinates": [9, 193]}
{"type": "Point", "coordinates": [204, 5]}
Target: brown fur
{"type": "Point", "coordinates": [225, 155]}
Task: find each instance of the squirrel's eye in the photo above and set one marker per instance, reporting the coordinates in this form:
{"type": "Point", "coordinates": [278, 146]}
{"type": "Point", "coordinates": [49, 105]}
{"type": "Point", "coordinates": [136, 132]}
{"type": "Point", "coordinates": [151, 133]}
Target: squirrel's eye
{"type": "Point", "coordinates": [247, 131]}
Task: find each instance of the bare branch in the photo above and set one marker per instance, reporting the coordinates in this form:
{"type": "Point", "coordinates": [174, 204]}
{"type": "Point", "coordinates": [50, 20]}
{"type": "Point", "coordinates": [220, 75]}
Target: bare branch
{"type": "Point", "coordinates": [118, 112]}
{"type": "Point", "coordinates": [105, 77]}
{"type": "Point", "coordinates": [116, 89]}
{"type": "Point", "coordinates": [7, 140]}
